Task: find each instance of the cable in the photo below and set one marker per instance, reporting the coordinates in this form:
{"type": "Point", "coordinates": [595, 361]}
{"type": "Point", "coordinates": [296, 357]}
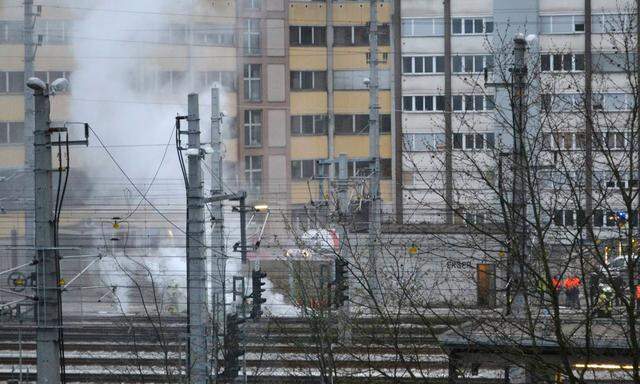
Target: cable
{"type": "Point", "coordinates": [167, 219]}
{"type": "Point", "coordinates": [153, 179]}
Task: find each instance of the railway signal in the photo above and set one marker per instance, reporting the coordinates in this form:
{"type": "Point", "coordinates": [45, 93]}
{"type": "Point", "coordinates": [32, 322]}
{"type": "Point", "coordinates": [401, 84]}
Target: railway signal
{"type": "Point", "coordinates": [341, 283]}
{"type": "Point", "coordinates": [233, 346]}
{"type": "Point", "coordinates": [256, 293]}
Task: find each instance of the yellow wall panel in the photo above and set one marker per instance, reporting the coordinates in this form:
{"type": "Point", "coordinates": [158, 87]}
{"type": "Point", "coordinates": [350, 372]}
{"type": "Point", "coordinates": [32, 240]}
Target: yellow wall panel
{"type": "Point", "coordinates": [12, 58]}
{"type": "Point", "coordinates": [308, 103]}
{"type": "Point", "coordinates": [385, 146]}
{"type": "Point", "coordinates": [300, 191]}
{"type": "Point", "coordinates": [353, 146]}
{"type": "Point", "coordinates": [358, 102]}
{"type": "Point", "coordinates": [11, 156]}
{"type": "Point", "coordinates": [358, 145]}
{"type": "Point", "coordinates": [308, 58]}
{"type": "Point", "coordinates": [386, 190]}
{"type": "Point", "coordinates": [356, 57]}
{"type": "Point", "coordinates": [58, 58]}
{"type": "Point", "coordinates": [346, 13]}
{"type": "Point", "coordinates": [11, 221]}
{"type": "Point", "coordinates": [12, 107]}
{"type": "Point", "coordinates": [308, 147]}
{"type": "Point", "coordinates": [304, 13]}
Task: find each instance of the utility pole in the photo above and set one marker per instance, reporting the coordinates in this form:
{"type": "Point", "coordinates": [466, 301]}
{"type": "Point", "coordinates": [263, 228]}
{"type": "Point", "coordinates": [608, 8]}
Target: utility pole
{"type": "Point", "coordinates": [374, 152]}
{"type": "Point", "coordinates": [47, 304]}
{"type": "Point", "coordinates": [197, 360]}
{"type": "Point", "coordinates": [519, 252]}
{"type": "Point", "coordinates": [343, 213]}
{"type": "Point", "coordinates": [218, 249]}
{"type": "Point", "coordinates": [29, 111]}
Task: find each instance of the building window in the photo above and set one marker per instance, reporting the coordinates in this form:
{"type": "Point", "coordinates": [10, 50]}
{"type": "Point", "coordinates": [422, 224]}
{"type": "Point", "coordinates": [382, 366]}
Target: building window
{"type": "Point", "coordinates": [470, 103]}
{"type": "Point", "coordinates": [251, 39]}
{"type": "Point", "coordinates": [302, 36]}
{"type": "Point", "coordinates": [54, 32]}
{"type": "Point", "coordinates": [308, 125]}
{"type": "Point", "coordinates": [423, 103]}
{"type": "Point", "coordinates": [564, 141]}
{"type": "Point", "coordinates": [211, 34]}
{"type": "Point", "coordinates": [50, 76]}
{"type": "Point", "coordinates": [471, 63]}
{"type": "Point", "coordinates": [253, 172]}
{"type": "Point", "coordinates": [386, 170]}
{"type": "Point", "coordinates": [252, 128]}
{"type": "Point", "coordinates": [252, 4]}
{"type": "Point", "coordinates": [359, 124]}
{"type": "Point", "coordinates": [11, 132]}
{"type": "Point", "coordinates": [614, 141]}
{"type": "Point", "coordinates": [419, 142]}
{"type": "Point", "coordinates": [570, 218]}
{"type": "Point", "coordinates": [308, 80]}
{"type": "Point", "coordinates": [11, 32]}
{"type": "Point", "coordinates": [307, 169]}
{"type": "Point", "coordinates": [471, 26]}
{"type": "Point", "coordinates": [613, 23]}
{"type": "Point", "coordinates": [174, 34]}
{"type": "Point", "coordinates": [252, 82]}
{"type": "Point", "coordinates": [11, 82]}
{"type": "Point", "coordinates": [174, 81]}
{"type": "Point", "coordinates": [562, 24]}
{"type": "Point", "coordinates": [561, 62]}
{"type": "Point", "coordinates": [423, 27]}
{"type": "Point", "coordinates": [358, 35]}
{"type": "Point", "coordinates": [422, 64]}
{"type": "Point", "coordinates": [473, 141]}
{"type": "Point", "coordinates": [224, 78]}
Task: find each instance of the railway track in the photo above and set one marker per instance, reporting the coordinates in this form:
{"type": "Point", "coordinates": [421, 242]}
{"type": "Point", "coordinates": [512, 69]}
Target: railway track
{"type": "Point", "coordinates": [283, 350]}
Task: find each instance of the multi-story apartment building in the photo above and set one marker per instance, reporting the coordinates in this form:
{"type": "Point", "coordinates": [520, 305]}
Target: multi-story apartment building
{"type": "Point", "coordinates": [294, 74]}
{"type": "Point", "coordinates": [304, 98]}
{"type": "Point", "coordinates": [449, 109]}
{"type": "Point", "coordinates": [176, 52]}
{"type": "Point", "coordinates": [457, 125]}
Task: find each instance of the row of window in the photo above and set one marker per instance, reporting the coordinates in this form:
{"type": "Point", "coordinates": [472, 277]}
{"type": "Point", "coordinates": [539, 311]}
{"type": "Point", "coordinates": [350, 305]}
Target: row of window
{"type": "Point", "coordinates": [311, 125]}
{"type": "Point", "coordinates": [307, 125]}
{"type": "Point", "coordinates": [343, 36]}
{"type": "Point", "coordinates": [549, 62]}
{"type": "Point", "coordinates": [601, 218]}
{"type": "Point", "coordinates": [576, 140]}
{"type": "Point", "coordinates": [13, 81]}
{"type": "Point", "coordinates": [308, 80]}
{"type": "Point", "coordinates": [175, 81]}
{"type": "Point", "coordinates": [11, 132]}
{"type": "Point", "coordinates": [418, 142]}
{"type": "Point", "coordinates": [600, 23]}
{"type": "Point", "coordinates": [569, 102]}
{"type": "Point", "coordinates": [459, 103]}
{"type": "Point", "coordinates": [308, 169]}
{"type": "Point", "coordinates": [55, 32]}
{"type": "Point", "coordinates": [431, 26]}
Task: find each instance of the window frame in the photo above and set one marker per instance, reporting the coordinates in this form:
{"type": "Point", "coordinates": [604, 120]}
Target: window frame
{"type": "Point", "coordinates": [464, 21]}
{"type": "Point", "coordinates": [250, 79]}
{"type": "Point", "coordinates": [252, 30]}
{"type": "Point", "coordinates": [482, 141]}
{"type": "Point", "coordinates": [252, 128]}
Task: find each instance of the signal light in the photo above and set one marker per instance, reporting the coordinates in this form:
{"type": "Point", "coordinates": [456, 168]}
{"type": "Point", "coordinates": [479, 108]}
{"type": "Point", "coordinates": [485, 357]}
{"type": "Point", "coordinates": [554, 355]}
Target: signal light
{"type": "Point", "coordinates": [256, 293]}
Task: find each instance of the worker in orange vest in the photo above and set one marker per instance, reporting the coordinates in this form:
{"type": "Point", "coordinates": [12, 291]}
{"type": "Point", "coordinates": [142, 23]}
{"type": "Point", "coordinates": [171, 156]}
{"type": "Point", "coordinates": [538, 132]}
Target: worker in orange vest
{"type": "Point", "coordinates": [556, 283]}
{"type": "Point", "coordinates": [572, 288]}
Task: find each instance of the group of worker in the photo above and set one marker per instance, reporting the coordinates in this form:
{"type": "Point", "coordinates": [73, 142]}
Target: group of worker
{"type": "Point", "coordinates": [571, 287]}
